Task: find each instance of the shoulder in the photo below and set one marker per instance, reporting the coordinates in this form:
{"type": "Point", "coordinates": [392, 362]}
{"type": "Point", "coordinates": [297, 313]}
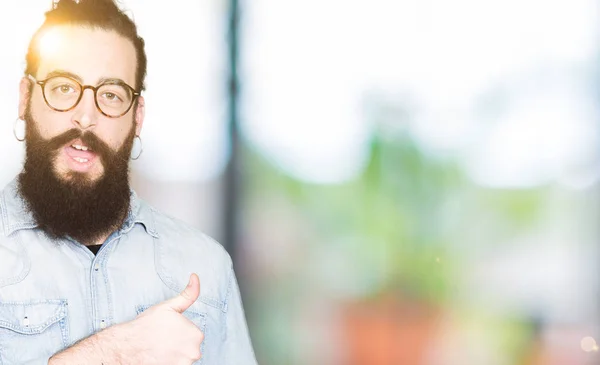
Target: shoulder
{"type": "Point", "coordinates": [14, 262]}
{"type": "Point", "coordinates": [8, 209]}
{"type": "Point", "coordinates": [3, 213]}
{"type": "Point", "coordinates": [14, 215]}
{"type": "Point", "coordinates": [184, 239]}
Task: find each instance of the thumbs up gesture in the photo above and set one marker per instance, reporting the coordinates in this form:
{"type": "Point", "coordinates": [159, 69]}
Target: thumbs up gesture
{"type": "Point", "coordinates": [186, 298]}
{"type": "Point", "coordinates": [162, 335]}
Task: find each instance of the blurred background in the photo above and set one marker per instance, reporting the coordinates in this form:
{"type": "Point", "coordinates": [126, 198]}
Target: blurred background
{"type": "Point", "coordinates": [398, 182]}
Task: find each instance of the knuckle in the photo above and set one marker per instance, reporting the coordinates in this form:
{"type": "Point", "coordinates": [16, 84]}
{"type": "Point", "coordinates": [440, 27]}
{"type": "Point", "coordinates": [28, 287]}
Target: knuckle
{"type": "Point", "coordinates": [194, 353]}
{"type": "Point", "coordinates": [198, 335]}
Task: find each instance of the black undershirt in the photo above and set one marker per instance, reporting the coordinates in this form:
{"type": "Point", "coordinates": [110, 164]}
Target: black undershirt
{"type": "Point", "coordinates": [94, 248]}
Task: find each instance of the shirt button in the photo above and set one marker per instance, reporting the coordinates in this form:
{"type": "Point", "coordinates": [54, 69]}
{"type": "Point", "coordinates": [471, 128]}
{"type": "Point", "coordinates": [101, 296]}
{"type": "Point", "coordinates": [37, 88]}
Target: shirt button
{"type": "Point", "coordinates": [102, 324]}
{"type": "Point", "coordinates": [97, 267]}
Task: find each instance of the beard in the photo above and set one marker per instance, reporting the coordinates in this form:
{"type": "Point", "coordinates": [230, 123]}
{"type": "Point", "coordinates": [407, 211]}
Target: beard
{"type": "Point", "coordinates": [75, 206]}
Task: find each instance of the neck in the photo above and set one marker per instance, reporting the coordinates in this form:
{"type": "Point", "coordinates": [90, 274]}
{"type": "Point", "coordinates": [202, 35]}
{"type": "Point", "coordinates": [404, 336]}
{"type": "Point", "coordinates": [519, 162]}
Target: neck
{"type": "Point", "coordinates": [98, 242]}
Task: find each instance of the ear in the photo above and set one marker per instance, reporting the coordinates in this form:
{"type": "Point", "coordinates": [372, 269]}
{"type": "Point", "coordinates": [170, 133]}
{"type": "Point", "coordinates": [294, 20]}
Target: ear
{"type": "Point", "coordinates": [140, 113]}
{"type": "Point", "coordinates": [24, 96]}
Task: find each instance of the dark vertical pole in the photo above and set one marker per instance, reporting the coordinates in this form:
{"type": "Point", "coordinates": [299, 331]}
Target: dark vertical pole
{"type": "Point", "coordinates": [233, 173]}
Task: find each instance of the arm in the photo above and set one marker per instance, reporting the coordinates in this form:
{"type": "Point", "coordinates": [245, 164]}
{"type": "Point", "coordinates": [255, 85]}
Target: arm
{"type": "Point", "coordinates": [100, 348]}
{"type": "Point", "coordinates": [237, 346]}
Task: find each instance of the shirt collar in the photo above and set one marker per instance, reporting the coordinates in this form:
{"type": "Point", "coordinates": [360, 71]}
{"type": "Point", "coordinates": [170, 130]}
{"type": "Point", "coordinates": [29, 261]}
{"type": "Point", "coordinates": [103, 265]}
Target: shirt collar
{"type": "Point", "coordinates": [16, 216]}
{"type": "Point", "coordinates": [140, 212]}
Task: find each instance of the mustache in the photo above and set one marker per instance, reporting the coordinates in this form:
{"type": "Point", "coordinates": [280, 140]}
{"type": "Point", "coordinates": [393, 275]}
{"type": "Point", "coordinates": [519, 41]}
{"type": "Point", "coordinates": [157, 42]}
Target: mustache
{"type": "Point", "coordinates": [97, 146]}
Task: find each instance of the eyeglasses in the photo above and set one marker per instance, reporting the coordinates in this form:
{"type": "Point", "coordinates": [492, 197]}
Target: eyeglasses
{"type": "Point", "coordinates": [62, 93]}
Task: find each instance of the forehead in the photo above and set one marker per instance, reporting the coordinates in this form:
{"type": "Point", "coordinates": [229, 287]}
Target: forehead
{"type": "Point", "coordinates": [90, 53]}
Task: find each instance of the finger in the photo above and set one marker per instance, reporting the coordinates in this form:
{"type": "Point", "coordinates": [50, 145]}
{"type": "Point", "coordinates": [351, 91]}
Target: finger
{"type": "Point", "coordinates": [187, 297]}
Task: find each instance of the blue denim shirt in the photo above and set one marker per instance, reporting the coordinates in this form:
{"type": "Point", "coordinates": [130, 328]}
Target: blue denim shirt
{"type": "Point", "coordinates": [54, 293]}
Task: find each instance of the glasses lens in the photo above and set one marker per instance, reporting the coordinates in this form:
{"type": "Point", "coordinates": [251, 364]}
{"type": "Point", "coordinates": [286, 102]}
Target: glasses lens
{"type": "Point", "coordinates": [114, 99]}
{"type": "Point", "coordinates": [62, 93]}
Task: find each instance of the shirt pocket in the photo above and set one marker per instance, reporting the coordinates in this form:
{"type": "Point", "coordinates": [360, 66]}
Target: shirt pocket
{"type": "Point", "coordinates": [32, 331]}
{"type": "Point", "coordinates": [197, 318]}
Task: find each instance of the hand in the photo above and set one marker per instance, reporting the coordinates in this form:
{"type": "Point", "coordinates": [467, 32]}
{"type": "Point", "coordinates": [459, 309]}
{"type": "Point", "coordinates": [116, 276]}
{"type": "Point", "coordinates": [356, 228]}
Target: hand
{"type": "Point", "coordinates": [161, 334]}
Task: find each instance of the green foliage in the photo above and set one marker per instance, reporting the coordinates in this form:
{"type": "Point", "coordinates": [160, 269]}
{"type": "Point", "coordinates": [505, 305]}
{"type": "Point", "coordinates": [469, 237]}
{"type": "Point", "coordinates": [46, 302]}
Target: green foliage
{"type": "Point", "coordinates": [401, 218]}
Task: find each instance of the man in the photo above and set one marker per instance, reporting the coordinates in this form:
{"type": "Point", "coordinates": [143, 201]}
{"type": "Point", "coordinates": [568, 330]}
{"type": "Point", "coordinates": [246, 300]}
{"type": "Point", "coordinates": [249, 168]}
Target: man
{"type": "Point", "coordinates": [89, 273]}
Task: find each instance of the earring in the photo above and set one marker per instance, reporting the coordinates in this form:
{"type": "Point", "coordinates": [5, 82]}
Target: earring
{"type": "Point", "coordinates": [137, 146]}
{"type": "Point", "coordinates": [20, 139]}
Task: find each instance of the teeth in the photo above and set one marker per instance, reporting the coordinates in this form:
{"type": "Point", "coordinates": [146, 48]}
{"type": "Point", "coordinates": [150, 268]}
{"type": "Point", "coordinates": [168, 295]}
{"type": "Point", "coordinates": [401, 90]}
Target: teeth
{"type": "Point", "coordinates": [81, 160]}
{"type": "Point", "coordinates": [80, 147]}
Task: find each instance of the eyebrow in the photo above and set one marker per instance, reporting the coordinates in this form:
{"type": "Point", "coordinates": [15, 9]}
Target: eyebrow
{"type": "Point", "coordinates": [101, 81]}
{"type": "Point", "coordinates": [56, 73]}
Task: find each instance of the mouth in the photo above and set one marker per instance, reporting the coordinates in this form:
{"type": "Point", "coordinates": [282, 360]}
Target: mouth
{"type": "Point", "coordinates": [79, 157]}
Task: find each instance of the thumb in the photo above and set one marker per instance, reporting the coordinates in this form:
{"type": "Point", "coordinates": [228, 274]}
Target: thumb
{"type": "Point", "coordinates": [187, 297]}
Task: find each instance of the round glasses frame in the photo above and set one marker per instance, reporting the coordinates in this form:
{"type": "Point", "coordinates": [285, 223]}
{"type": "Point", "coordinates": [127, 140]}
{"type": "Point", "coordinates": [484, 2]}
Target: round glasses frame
{"type": "Point", "coordinates": [95, 89]}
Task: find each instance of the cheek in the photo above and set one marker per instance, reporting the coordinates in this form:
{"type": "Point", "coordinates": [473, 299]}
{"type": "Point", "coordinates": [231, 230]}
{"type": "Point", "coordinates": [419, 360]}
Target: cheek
{"type": "Point", "coordinates": [50, 124]}
{"type": "Point", "coordinates": [117, 134]}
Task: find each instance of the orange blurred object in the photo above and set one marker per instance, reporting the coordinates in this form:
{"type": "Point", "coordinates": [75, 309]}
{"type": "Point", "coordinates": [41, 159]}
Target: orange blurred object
{"type": "Point", "coordinates": [387, 332]}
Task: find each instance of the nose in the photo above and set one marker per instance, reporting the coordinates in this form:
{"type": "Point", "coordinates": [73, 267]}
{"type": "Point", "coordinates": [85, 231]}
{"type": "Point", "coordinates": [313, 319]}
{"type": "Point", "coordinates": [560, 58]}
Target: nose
{"type": "Point", "coordinates": [86, 113]}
